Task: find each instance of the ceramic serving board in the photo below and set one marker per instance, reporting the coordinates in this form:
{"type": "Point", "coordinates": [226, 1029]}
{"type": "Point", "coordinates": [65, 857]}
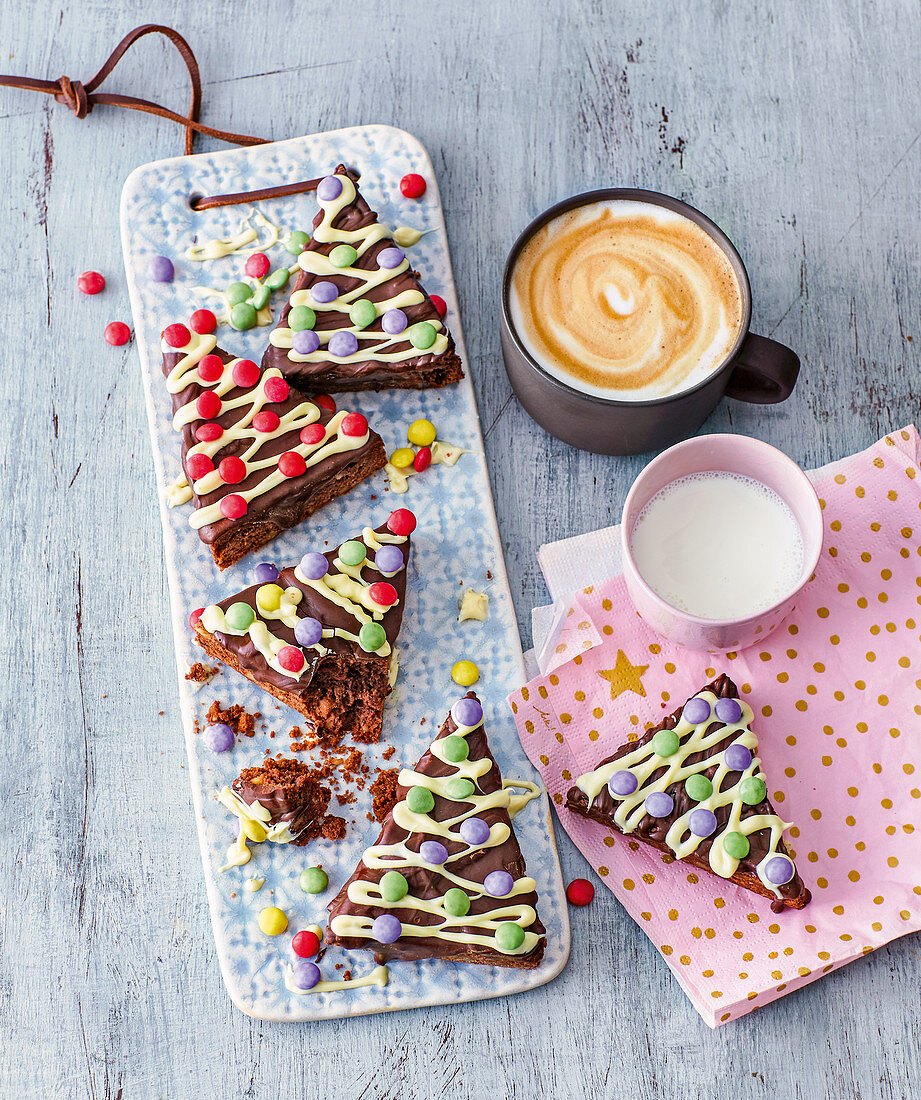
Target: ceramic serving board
{"type": "Point", "coordinates": [456, 541]}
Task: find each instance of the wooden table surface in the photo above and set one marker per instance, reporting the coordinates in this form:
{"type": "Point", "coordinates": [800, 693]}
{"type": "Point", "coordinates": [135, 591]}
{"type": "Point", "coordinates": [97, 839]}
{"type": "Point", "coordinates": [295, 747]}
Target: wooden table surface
{"type": "Point", "coordinates": [795, 126]}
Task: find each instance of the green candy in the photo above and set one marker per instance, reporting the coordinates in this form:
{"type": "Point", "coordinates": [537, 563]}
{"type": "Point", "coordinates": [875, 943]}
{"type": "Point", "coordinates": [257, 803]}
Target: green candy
{"type": "Point", "coordinates": [362, 313]}
{"type": "Point", "coordinates": [313, 880]}
{"type": "Point", "coordinates": [243, 316]}
{"type": "Point", "coordinates": [260, 297]}
{"type": "Point", "coordinates": [275, 280]}
{"type": "Point", "coordinates": [371, 637]}
{"type": "Point", "coordinates": [455, 749]}
{"type": "Point", "coordinates": [459, 788]}
{"type": "Point", "coordinates": [422, 335]}
{"type": "Point", "coordinates": [352, 552]}
{"type": "Point", "coordinates": [753, 790]}
{"type": "Point", "coordinates": [300, 318]}
{"type": "Point", "coordinates": [698, 787]}
{"type": "Point", "coordinates": [240, 616]}
{"type": "Point", "coordinates": [456, 903]}
{"type": "Point", "coordinates": [420, 800]}
{"type": "Point", "coordinates": [509, 936]}
{"type": "Point", "coordinates": [238, 292]}
{"type": "Point", "coordinates": [394, 887]}
{"type": "Point", "coordinates": [295, 243]}
{"type": "Point", "coordinates": [665, 743]}
{"type": "Point", "coordinates": [343, 255]}
{"type": "Point", "coordinates": [736, 845]}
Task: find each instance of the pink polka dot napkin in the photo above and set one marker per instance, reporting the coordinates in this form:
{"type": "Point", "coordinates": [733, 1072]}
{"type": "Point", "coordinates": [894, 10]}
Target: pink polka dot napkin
{"type": "Point", "coordinates": [836, 693]}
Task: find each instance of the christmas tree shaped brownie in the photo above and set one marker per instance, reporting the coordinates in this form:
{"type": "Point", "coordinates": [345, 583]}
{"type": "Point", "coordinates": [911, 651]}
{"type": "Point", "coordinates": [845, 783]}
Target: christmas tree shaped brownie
{"type": "Point", "coordinates": [358, 318]}
{"type": "Point", "coordinates": [319, 636]}
{"type": "Point", "coordinates": [445, 878]}
{"type": "Point", "coordinates": [693, 786]}
{"type": "Point", "coordinates": [258, 458]}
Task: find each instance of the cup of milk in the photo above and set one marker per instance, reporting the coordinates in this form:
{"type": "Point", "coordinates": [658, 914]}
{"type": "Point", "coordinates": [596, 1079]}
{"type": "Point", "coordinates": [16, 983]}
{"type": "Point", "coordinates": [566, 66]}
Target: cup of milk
{"type": "Point", "coordinates": [720, 535]}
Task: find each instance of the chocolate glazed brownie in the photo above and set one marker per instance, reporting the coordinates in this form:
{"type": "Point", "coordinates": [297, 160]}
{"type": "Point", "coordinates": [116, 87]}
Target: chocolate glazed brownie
{"type": "Point", "coordinates": [446, 878]}
{"type": "Point", "coordinates": [358, 318]}
{"type": "Point", "coordinates": [698, 767]}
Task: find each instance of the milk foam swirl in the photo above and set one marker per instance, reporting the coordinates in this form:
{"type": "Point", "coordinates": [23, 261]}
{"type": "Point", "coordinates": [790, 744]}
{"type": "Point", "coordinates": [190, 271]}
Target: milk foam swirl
{"type": "Point", "coordinates": [626, 300]}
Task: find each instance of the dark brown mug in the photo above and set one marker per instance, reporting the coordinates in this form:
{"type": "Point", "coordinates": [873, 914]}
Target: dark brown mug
{"type": "Point", "coordinates": [756, 369]}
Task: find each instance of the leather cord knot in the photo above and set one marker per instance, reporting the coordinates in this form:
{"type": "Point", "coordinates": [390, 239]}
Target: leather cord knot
{"type": "Point", "coordinates": [73, 95]}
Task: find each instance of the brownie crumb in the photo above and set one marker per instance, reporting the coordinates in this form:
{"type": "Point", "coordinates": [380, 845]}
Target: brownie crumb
{"type": "Point", "coordinates": [202, 674]}
{"type": "Point", "coordinates": [388, 753]}
{"type": "Point", "coordinates": [239, 720]}
{"type": "Point", "coordinates": [333, 828]}
{"type": "Point", "coordinates": [347, 975]}
{"type": "Point", "coordinates": [384, 793]}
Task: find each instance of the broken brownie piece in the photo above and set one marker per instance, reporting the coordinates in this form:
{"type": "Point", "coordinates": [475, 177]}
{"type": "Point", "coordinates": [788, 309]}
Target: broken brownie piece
{"type": "Point", "coordinates": [280, 800]}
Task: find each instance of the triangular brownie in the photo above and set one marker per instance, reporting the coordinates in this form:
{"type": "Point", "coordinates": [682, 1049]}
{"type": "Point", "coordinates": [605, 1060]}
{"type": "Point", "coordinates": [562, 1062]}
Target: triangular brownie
{"type": "Point", "coordinates": [693, 786]}
{"type": "Point", "coordinates": [445, 878]}
{"type": "Point", "coordinates": [319, 636]}
{"type": "Point", "coordinates": [358, 317]}
{"type": "Point", "coordinates": [258, 458]}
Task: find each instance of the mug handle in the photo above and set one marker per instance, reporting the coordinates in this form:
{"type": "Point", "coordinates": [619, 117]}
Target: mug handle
{"type": "Point", "coordinates": [764, 372]}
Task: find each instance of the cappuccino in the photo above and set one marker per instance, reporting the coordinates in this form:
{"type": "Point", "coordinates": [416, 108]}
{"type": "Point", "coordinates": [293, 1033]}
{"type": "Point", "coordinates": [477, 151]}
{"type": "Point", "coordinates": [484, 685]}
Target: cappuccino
{"type": "Point", "coordinates": [626, 300]}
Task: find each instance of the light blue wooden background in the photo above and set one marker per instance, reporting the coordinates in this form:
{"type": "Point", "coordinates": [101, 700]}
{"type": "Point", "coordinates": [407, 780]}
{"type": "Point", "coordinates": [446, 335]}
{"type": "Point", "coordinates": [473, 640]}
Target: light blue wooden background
{"type": "Point", "coordinates": [796, 126]}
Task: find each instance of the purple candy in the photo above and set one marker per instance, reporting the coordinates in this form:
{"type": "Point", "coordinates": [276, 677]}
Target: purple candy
{"type": "Point", "coordinates": [737, 758]}
{"type": "Point", "coordinates": [386, 928]}
{"type": "Point", "coordinates": [324, 292]}
{"type": "Point", "coordinates": [218, 737]}
{"type": "Point", "coordinates": [160, 269]}
{"type": "Point", "coordinates": [702, 822]}
{"type": "Point", "coordinates": [329, 188]}
{"type": "Point", "coordinates": [342, 344]}
{"type": "Point", "coordinates": [622, 783]}
{"type": "Point", "coordinates": [314, 566]}
{"type": "Point", "coordinates": [390, 258]}
{"type": "Point", "coordinates": [659, 804]}
{"type": "Point", "coordinates": [474, 830]}
{"type": "Point", "coordinates": [389, 559]}
{"type": "Point", "coordinates": [305, 974]}
{"type": "Point", "coordinates": [308, 631]}
{"type": "Point", "coordinates": [779, 870]}
{"type": "Point", "coordinates": [467, 712]}
{"type": "Point", "coordinates": [696, 710]}
{"type": "Point", "coordinates": [498, 884]}
{"type": "Point", "coordinates": [266, 573]}
{"type": "Point", "coordinates": [433, 851]}
{"type": "Point", "coordinates": [394, 321]}
{"type": "Point", "coordinates": [728, 710]}
{"type": "Point", "coordinates": [305, 342]}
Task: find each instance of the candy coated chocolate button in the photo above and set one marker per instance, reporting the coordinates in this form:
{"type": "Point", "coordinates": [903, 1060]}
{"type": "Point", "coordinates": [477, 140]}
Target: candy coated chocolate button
{"type": "Point", "coordinates": [421, 432]}
{"type": "Point", "coordinates": [352, 552]}
{"type": "Point", "coordinates": [278, 278]}
{"type": "Point", "coordinates": [696, 710]}
{"type": "Point", "coordinates": [455, 749]}
{"type": "Point", "coordinates": [698, 787]}
{"type": "Point", "coordinates": [245, 373]}
{"type": "Point", "coordinates": [422, 335]}
{"type": "Point", "coordinates": [371, 637]}
{"type": "Point", "coordinates": [386, 928]}
{"type": "Point", "coordinates": [160, 269]}
{"type": "Point", "coordinates": [90, 282]}
{"type": "Point", "coordinates": [291, 464]}
{"type": "Point", "coordinates": [276, 389]}
{"type": "Point", "coordinates": [423, 459]}
{"type": "Point", "coordinates": [238, 292]}
{"type": "Point", "coordinates": [203, 322]}
{"type": "Point", "coordinates": [301, 318]}
{"type": "Point", "coordinates": [329, 188]}
{"type": "Point", "coordinates": [659, 804]}
{"type": "Point", "coordinates": [389, 560]}
{"type": "Point", "coordinates": [402, 457]}
{"type": "Point", "coordinates": [383, 594]}
{"type": "Point", "coordinates": [291, 658]}
{"type": "Point", "coordinates": [401, 522]}
{"type": "Point", "coordinates": [736, 845]}
{"type": "Point", "coordinates": [779, 870]}
{"type": "Point", "coordinates": [456, 903]}
{"type": "Point", "coordinates": [498, 884]}
{"type": "Point", "coordinates": [465, 673]}
{"type": "Point", "coordinates": [314, 566]}
{"type": "Point", "coordinates": [240, 616]}
{"type": "Point", "coordinates": [342, 344]}
{"type": "Point", "coordinates": [313, 880]}
{"type": "Point", "coordinates": [305, 342]}
{"type": "Point", "coordinates": [305, 944]}
{"type": "Point", "coordinates": [117, 333]}
{"type": "Point", "coordinates": [273, 921]}
{"type": "Point", "coordinates": [390, 258]}
{"type": "Point", "coordinates": [474, 830]}
{"type": "Point", "coordinates": [737, 758]}
{"type": "Point", "coordinates": [266, 573]}
{"type": "Point", "coordinates": [467, 713]}
{"type": "Point", "coordinates": [211, 368]}
{"type": "Point", "coordinates": [304, 974]}
{"type": "Point", "coordinates": [195, 617]}
{"type": "Point", "coordinates": [324, 292]}
{"type": "Point", "coordinates": [622, 783]}
{"type": "Point", "coordinates": [580, 892]}
{"type": "Point", "coordinates": [233, 506]}
{"type": "Point", "coordinates": [420, 800]}
{"type": "Point", "coordinates": [459, 788]}
{"type": "Point", "coordinates": [363, 313]}
{"type": "Point", "coordinates": [752, 790]}
{"type": "Point", "coordinates": [433, 851]}
{"type": "Point", "coordinates": [394, 887]}
{"type": "Point", "coordinates": [308, 631]}
{"type": "Point", "coordinates": [208, 433]}
{"type": "Point", "coordinates": [702, 822]}
{"type": "Point", "coordinates": [266, 421]}
{"type": "Point", "coordinates": [243, 316]}
{"type": "Point", "coordinates": [257, 265]}
{"type": "Point", "coordinates": [312, 434]}
{"type": "Point", "coordinates": [343, 255]}
{"type": "Point", "coordinates": [728, 710]}
{"type": "Point", "coordinates": [412, 185]}
{"type": "Point", "coordinates": [394, 322]}
{"type": "Point", "coordinates": [218, 737]}
{"type": "Point", "coordinates": [354, 425]}
{"type": "Point", "coordinates": [509, 936]}
{"type": "Point", "coordinates": [440, 304]}
{"type": "Point", "coordinates": [198, 465]}
{"type": "Point", "coordinates": [232, 470]}
{"type": "Point", "coordinates": [176, 336]}
{"type": "Point", "coordinates": [296, 241]}
{"type": "Point", "coordinates": [665, 743]}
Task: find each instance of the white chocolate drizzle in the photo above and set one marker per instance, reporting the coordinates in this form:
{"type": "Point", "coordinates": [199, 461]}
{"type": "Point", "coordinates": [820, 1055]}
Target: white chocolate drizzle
{"type": "Point", "coordinates": [443, 454]}
{"type": "Point", "coordinates": [247, 235]}
{"type": "Point", "coordinates": [379, 976]}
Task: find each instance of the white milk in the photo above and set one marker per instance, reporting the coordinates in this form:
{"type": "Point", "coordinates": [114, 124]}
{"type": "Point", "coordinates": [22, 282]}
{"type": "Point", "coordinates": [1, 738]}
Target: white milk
{"type": "Point", "coordinates": [718, 545]}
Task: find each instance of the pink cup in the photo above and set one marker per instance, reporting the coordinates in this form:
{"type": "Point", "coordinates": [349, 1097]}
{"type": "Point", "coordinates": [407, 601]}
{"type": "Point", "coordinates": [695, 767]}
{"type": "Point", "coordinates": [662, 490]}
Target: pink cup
{"type": "Point", "coordinates": [737, 454]}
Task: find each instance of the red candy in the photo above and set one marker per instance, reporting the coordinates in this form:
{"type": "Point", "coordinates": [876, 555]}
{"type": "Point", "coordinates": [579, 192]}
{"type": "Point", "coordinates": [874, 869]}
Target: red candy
{"type": "Point", "coordinates": [401, 522]}
{"type": "Point", "coordinates": [312, 434]}
{"type": "Point", "coordinates": [117, 333]}
{"type": "Point", "coordinates": [257, 265]}
{"type": "Point", "coordinates": [245, 373]}
{"type": "Point", "coordinates": [197, 465]}
{"type": "Point", "coordinates": [177, 336]}
{"type": "Point", "coordinates": [440, 304]}
{"type": "Point", "coordinates": [383, 593]}
{"type": "Point", "coordinates": [276, 389]}
{"type": "Point", "coordinates": [580, 892]}
{"type": "Point", "coordinates": [412, 186]}
{"type": "Point", "coordinates": [324, 401]}
{"type": "Point", "coordinates": [208, 433]}
{"type": "Point", "coordinates": [266, 421]}
{"type": "Point", "coordinates": [423, 459]}
{"type": "Point", "coordinates": [233, 506]}
{"type": "Point", "coordinates": [195, 616]}
{"type": "Point", "coordinates": [291, 464]}
{"type": "Point", "coordinates": [208, 405]}
{"type": "Point", "coordinates": [203, 322]}
{"type": "Point", "coordinates": [291, 658]}
{"type": "Point", "coordinates": [232, 470]}
{"type": "Point", "coordinates": [305, 944]}
{"type": "Point", "coordinates": [354, 425]}
{"type": "Point", "coordinates": [211, 368]}
{"type": "Point", "coordinates": [91, 282]}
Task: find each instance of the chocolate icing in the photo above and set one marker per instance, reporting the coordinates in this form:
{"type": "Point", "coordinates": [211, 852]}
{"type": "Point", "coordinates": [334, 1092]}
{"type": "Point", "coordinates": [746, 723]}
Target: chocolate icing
{"type": "Point", "coordinates": [300, 802]}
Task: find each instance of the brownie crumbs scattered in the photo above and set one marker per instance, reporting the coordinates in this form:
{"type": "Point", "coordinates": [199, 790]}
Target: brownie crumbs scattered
{"type": "Point", "coordinates": [347, 798]}
{"type": "Point", "coordinates": [384, 793]}
{"type": "Point", "coordinates": [489, 574]}
{"type": "Point", "coordinates": [239, 720]}
{"type": "Point", "coordinates": [347, 975]}
{"type": "Point", "coordinates": [202, 674]}
{"type": "Point", "coordinates": [388, 753]}
{"type": "Point", "coordinates": [333, 828]}
{"type": "Point", "coordinates": [298, 779]}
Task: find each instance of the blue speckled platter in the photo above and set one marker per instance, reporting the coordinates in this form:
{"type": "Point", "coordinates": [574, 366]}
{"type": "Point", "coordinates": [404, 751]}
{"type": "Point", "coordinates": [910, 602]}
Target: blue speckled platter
{"type": "Point", "coordinates": [456, 541]}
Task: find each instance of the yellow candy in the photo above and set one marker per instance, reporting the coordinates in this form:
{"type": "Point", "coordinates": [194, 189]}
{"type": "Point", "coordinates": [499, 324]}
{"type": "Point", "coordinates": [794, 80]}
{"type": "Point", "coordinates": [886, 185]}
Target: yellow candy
{"type": "Point", "coordinates": [268, 597]}
{"type": "Point", "coordinates": [465, 673]}
{"type": "Point", "coordinates": [402, 456]}
{"type": "Point", "coordinates": [273, 921]}
{"type": "Point", "coordinates": [422, 433]}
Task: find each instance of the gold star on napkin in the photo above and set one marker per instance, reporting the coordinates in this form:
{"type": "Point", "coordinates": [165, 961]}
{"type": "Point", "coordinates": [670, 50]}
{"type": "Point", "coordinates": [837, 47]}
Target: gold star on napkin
{"type": "Point", "coordinates": [624, 676]}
